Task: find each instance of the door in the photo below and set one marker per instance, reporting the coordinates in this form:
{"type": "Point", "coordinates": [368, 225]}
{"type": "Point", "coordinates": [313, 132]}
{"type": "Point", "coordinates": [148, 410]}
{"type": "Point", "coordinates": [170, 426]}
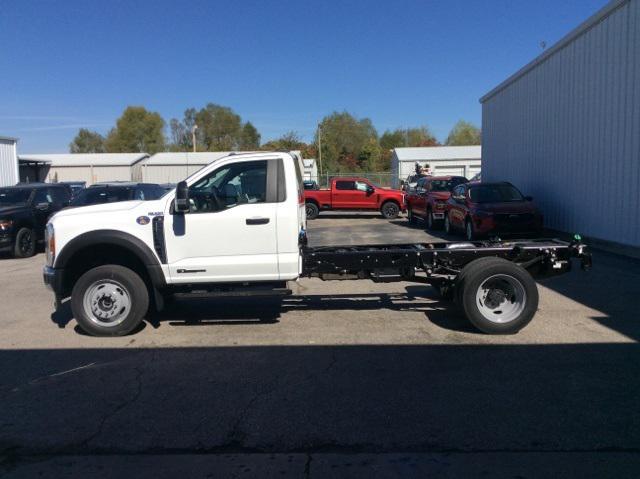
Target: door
{"type": "Point", "coordinates": [229, 233]}
{"type": "Point", "coordinates": [42, 210]}
{"type": "Point", "coordinates": [419, 203]}
{"type": "Point", "coordinates": [457, 210]}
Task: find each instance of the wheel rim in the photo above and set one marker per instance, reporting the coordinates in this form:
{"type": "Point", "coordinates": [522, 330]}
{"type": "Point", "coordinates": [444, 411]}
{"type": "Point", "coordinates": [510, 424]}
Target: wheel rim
{"type": "Point", "coordinates": [469, 231]}
{"type": "Point", "coordinates": [26, 243]}
{"type": "Point", "coordinates": [107, 303]}
{"type": "Point", "coordinates": [310, 210]}
{"type": "Point", "coordinates": [392, 210]}
{"type": "Point", "coordinates": [501, 298]}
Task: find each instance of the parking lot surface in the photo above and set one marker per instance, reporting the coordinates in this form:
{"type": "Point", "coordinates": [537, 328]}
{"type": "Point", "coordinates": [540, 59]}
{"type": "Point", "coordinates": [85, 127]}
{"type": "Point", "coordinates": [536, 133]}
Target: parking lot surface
{"type": "Point", "coordinates": [357, 373]}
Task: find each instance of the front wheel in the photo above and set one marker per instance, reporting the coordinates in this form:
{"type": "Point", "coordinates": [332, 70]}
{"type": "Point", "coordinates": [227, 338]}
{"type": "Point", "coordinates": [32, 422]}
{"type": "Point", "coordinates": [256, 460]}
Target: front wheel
{"type": "Point", "coordinates": [390, 210]}
{"type": "Point", "coordinates": [312, 211]}
{"type": "Point", "coordinates": [497, 296]}
{"type": "Point", "coordinates": [411, 217]}
{"type": "Point", "coordinates": [25, 245]}
{"type": "Point", "coordinates": [109, 300]}
{"type": "Point", "coordinates": [447, 224]}
{"type": "Point", "coordinates": [469, 232]}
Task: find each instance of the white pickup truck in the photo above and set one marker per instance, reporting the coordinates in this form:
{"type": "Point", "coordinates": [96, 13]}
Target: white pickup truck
{"type": "Point", "coordinates": [237, 227]}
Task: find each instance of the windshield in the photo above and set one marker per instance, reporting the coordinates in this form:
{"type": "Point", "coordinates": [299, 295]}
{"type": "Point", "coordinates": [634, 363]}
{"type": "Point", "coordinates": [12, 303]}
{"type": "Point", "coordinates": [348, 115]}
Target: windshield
{"type": "Point", "coordinates": [96, 196]}
{"type": "Point", "coordinates": [495, 194]}
{"type": "Point", "coordinates": [446, 185]}
{"type": "Point", "coordinates": [14, 196]}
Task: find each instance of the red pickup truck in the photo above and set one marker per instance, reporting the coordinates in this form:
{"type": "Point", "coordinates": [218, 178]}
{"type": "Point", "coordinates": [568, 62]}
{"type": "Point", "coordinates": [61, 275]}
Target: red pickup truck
{"type": "Point", "coordinates": [354, 194]}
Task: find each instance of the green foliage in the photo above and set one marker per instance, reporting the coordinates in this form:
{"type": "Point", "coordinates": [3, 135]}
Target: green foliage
{"type": "Point", "coordinates": [464, 133]}
{"type": "Point", "coordinates": [137, 130]}
{"type": "Point", "coordinates": [219, 128]}
{"type": "Point", "coordinates": [403, 137]}
{"type": "Point", "coordinates": [344, 139]}
{"type": "Point", "coordinates": [250, 138]}
{"type": "Point", "coordinates": [289, 141]}
{"type": "Point", "coordinates": [87, 141]}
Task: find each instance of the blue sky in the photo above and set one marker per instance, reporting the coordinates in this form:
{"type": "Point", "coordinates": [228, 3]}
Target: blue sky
{"type": "Point", "coordinates": [282, 65]}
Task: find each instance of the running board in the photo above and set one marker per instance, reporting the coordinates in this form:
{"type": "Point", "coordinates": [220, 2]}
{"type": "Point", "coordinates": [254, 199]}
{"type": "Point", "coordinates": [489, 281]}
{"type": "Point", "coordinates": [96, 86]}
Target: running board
{"type": "Point", "coordinates": [226, 290]}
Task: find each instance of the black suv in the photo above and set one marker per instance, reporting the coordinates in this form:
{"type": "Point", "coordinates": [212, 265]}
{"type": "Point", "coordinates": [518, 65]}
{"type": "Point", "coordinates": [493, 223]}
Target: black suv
{"type": "Point", "coordinates": [117, 191]}
{"type": "Point", "coordinates": [24, 211]}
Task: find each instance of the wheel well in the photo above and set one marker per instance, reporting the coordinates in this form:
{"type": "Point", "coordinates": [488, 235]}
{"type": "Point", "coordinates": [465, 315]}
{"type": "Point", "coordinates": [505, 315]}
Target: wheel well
{"type": "Point", "coordinates": [390, 201]}
{"type": "Point", "coordinates": [314, 202]}
{"type": "Point", "coordinates": [102, 254]}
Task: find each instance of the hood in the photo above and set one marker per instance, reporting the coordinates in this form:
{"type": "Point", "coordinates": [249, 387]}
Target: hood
{"type": "Point", "coordinates": [508, 207]}
{"type": "Point", "coordinates": [102, 208]}
{"type": "Point", "coordinates": [11, 210]}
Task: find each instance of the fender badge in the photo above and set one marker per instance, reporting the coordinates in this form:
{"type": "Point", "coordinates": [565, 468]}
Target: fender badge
{"type": "Point", "coordinates": [142, 220]}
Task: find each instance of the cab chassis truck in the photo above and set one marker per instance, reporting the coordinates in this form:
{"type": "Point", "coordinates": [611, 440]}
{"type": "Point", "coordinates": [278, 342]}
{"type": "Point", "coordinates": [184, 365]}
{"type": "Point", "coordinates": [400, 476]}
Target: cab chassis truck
{"type": "Point", "coordinates": [238, 228]}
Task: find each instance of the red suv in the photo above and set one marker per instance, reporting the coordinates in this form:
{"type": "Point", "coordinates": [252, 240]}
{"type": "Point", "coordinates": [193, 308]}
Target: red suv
{"type": "Point", "coordinates": [428, 200]}
{"type": "Point", "coordinates": [480, 209]}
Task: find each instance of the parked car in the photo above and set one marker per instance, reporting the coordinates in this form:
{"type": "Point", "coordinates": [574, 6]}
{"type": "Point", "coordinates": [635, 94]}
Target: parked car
{"type": "Point", "coordinates": [410, 183]}
{"type": "Point", "coordinates": [117, 191]}
{"type": "Point", "coordinates": [477, 178]}
{"type": "Point", "coordinates": [482, 209]}
{"type": "Point", "coordinates": [24, 212]}
{"type": "Point", "coordinates": [168, 186]}
{"type": "Point", "coordinates": [76, 186]}
{"type": "Point", "coordinates": [310, 185]}
{"type": "Point", "coordinates": [428, 201]}
{"type": "Point", "coordinates": [354, 194]}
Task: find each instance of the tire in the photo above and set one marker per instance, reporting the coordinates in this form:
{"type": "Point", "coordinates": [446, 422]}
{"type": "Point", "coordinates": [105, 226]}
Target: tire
{"type": "Point", "coordinates": [390, 210]}
{"type": "Point", "coordinates": [25, 243]}
{"type": "Point", "coordinates": [447, 225]}
{"type": "Point", "coordinates": [311, 210]}
{"type": "Point", "coordinates": [410, 217]}
{"type": "Point", "coordinates": [497, 296]}
{"type": "Point", "coordinates": [118, 293]}
{"type": "Point", "coordinates": [431, 223]}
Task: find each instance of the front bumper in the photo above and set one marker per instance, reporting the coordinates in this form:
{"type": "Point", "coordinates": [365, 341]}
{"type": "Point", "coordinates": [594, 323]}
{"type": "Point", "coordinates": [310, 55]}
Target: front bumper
{"type": "Point", "coordinates": [6, 241]}
{"type": "Point", "coordinates": [53, 279]}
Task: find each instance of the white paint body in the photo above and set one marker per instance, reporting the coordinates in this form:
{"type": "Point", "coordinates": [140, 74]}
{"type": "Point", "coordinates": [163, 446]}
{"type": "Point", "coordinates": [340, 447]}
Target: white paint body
{"type": "Point", "coordinates": [219, 245]}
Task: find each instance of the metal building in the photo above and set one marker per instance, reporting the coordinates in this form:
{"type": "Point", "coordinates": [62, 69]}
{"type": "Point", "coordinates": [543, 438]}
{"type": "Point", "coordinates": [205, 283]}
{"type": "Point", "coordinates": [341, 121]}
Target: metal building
{"type": "Point", "coordinates": [310, 169]}
{"type": "Point", "coordinates": [89, 167]}
{"type": "Point", "coordinates": [443, 160]}
{"type": "Point", "coordinates": [566, 128]}
{"type": "Point", "coordinates": [9, 172]}
{"type": "Point", "coordinates": [174, 167]}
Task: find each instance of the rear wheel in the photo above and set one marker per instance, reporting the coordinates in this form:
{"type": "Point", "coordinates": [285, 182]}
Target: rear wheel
{"type": "Point", "coordinates": [25, 245]}
{"type": "Point", "coordinates": [109, 300]}
{"type": "Point", "coordinates": [390, 210]}
{"type": "Point", "coordinates": [497, 296]}
{"type": "Point", "coordinates": [312, 211]}
{"type": "Point", "coordinates": [431, 222]}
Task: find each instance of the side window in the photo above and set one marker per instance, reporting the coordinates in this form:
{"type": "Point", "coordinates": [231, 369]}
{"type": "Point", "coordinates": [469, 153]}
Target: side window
{"type": "Point", "coordinates": [458, 191]}
{"type": "Point", "coordinates": [361, 186]}
{"type": "Point", "coordinates": [138, 194]}
{"type": "Point", "coordinates": [229, 186]}
{"type": "Point", "coordinates": [60, 196]}
{"type": "Point", "coordinates": [345, 185]}
{"type": "Point", "coordinates": [42, 196]}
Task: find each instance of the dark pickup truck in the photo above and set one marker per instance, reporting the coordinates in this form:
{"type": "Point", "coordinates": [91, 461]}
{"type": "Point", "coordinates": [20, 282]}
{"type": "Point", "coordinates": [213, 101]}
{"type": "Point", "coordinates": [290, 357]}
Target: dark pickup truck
{"type": "Point", "coordinates": [24, 212]}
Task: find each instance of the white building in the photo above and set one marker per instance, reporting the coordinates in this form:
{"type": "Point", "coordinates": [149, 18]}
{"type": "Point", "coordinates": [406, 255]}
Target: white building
{"type": "Point", "coordinates": [9, 172]}
{"type": "Point", "coordinates": [443, 160]}
{"type": "Point", "coordinates": [566, 129]}
{"type": "Point", "coordinates": [172, 167]}
{"type": "Point", "coordinates": [310, 169]}
{"type": "Point", "coordinates": [89, 167]}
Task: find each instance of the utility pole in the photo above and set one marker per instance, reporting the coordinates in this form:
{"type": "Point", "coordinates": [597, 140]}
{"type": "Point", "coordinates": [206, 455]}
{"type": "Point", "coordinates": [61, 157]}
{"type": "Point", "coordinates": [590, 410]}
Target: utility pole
{"type": "Point", "coordinates": [193, 136]}
{"type": "Point", "coordinates": [320, 149]}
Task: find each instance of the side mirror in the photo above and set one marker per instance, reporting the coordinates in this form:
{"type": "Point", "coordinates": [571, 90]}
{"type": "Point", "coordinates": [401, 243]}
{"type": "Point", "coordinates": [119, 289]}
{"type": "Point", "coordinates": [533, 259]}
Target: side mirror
{"type": "Point", "coordinates": [44, 206]}
{"type": "Point", "coordinates": [181, 202]}
{"type": "Point", "coordinates": [528, 198]}
{"type": "Point", "coordinates": [370, 189]}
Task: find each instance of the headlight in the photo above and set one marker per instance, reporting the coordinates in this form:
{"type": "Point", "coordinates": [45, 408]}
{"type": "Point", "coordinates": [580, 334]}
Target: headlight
{"type": "Point", "coordinates": [5, 224]}
{"type": "Point", "coordinates": [50, 244]}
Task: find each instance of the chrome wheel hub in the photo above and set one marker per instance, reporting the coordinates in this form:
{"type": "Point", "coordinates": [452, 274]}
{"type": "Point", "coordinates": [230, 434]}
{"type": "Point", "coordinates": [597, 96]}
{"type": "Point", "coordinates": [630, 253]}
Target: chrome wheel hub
{"type": "Point", "coordinates": [501, 298]}
{"type": "Point", "coordinates": [107, 303]}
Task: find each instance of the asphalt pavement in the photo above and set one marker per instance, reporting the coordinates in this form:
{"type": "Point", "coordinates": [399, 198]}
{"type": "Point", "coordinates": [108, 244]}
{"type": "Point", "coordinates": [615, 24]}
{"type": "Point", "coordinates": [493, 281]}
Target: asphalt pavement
{"type": "Point", "coordinates": [342, 379]}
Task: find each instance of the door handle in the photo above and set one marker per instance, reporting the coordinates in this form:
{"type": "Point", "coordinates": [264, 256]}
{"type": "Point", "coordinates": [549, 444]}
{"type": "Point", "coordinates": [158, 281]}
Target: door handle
{"type": "Point", "coordinates": [257, 221]}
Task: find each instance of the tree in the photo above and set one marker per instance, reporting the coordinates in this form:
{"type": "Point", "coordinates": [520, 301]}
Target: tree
{"type": "Point", "coordinates": [250, 138]}
{"type": "Point", "coordinates": [403, 137]}
{"type": "Point", "coordinates": [87, 141]}
{"type": "Point", "coordinates": [219, 128]}
{"type": "Point", "coordinates": [464, 133]}
{"type": "Point", "coordinates": [344, 139]}
{"type": "Point", "coordinates": [137, 130]}
{"type": "Point", "coordinates": [289, 141]}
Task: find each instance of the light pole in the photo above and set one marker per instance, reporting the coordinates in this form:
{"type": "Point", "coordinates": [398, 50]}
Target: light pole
{"type": "Point", "coordinates": [320, 149]}
{"type": "Point", "coordinates": [193, 136]}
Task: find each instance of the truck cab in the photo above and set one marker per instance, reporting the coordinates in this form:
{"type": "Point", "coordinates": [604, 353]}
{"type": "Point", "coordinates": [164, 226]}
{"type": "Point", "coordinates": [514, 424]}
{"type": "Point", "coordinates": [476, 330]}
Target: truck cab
{"type": "Point", "coordinates": [353, 193]}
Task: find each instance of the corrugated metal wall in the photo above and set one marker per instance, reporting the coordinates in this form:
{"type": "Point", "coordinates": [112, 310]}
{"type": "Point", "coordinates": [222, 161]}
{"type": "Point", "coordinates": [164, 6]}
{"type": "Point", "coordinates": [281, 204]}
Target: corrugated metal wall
{"type": "Point", "coordinates": [9, 174]}
{"type": "Point", "coordinates": [568, 132]}
{"type": "Point", "coordinates": [89, 174]}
